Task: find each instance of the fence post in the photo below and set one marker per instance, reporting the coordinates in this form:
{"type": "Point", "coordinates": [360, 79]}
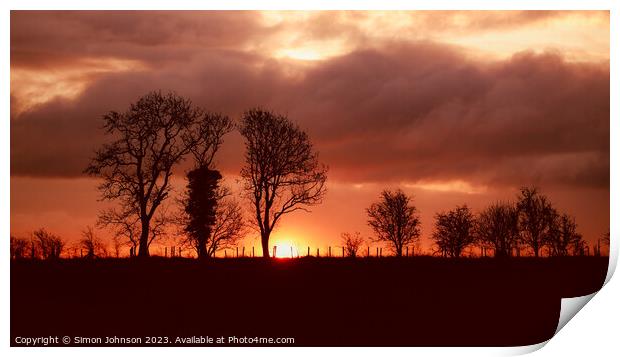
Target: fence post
{"type": "Point", "coordinates": [225, 253]}
{"type": "Point", "coordinates": [317, 253]}
{"type": "Point", "coordinates": [81, 254]}
{"type": "Point", "coordinates": [243, 252]}
{"type": "Point", "coordinates": [329, 251]}
{"type": "Point", "coordinates": [237, 252]}
{"type": "Point", "coordinates": [180, 254]}
{"type": "Point", "coordinates": [380, 252]}
{"type": "Point", "coordinates": [275, 249]}
{"type": "Point", "coordinates": [252, 251]}
{"type": "Point", "coordinates": [307, 255]}
{"type": "Point", "coordinates": [377, 253]}
{"type": "Point", "coordinates": [343, 252]}
{"type": "Point", "coordinates": [407, 251]}
{"type": "Point", "coordinates": [166, 252]}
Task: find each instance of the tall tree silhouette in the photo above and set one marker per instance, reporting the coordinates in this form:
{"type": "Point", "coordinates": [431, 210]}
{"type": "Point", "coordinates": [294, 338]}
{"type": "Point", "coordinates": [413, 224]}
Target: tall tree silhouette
{"type": "Point", "coordinates": [498, 227]}
{"type": "Point", "coordinates": [563, 235]}
{"type": "Point", "coordinates": [224, 231]}
{"type": "Point", "coordinates": [536, 215]}
{"type": "Point", "coordinates": [150, 139]}
{"type": "Point", "coordinates": [454, 231]}
{"type": "Point", "coordinates": [48, 245]}
{"type": "Point", "coordinates": [282, 173]}
{"type": "Point", "coordinates": [395, 220]}
{"type": "Point", "coordinates": [19, 248]}
{"type": "Point", "coordinates": [200, 206]}
{"type": "Point", "coordinates": [202, 220]}
{"type": "Point", "coordinates": [212, 220]}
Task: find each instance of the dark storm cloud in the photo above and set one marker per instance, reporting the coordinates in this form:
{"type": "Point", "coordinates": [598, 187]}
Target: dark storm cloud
{"type": "Point", "coordinates": [426, 112]}
{"type": "Point", "coordinates": [57, 38]}
{"type": "Point", "coordinates": [386, 112]}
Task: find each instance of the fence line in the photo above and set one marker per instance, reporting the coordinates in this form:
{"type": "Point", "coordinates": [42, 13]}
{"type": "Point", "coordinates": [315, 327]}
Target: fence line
{"type": "Point", "coordinates": [177, 252]}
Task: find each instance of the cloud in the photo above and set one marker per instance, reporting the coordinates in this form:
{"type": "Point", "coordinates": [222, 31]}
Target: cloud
{"type": "Point", "coordinates": [56, 38]}
{"type": "Point", "coordinates": [423, 112]}
{"type": "Point", "coordinates": [387, 111]}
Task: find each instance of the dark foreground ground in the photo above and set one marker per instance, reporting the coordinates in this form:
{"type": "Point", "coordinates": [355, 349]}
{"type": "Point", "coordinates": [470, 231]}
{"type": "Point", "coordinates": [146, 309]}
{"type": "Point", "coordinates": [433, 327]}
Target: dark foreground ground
{"type": "Point", "coordinates": [417, 301]}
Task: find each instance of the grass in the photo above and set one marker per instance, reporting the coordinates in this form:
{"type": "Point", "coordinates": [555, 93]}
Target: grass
{"type": "Point", "coordinates": [419, 301]}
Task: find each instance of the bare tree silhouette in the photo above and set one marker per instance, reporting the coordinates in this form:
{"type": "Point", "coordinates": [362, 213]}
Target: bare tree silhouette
{"type": "Point", "coordinates": [563, 235]}
{"type": "Point", "coordinates": [150, 139]}
{"type": "Point", "coordinates": [229, 226]}
{"type": "Point", "coordinates": [395, 220]}
{"type": "Point", "coordinates": [581, 248]}
{"type": "Point", "coordinates": [536, 215]}
{"type": "Point", "coordinates": [93, 246]}
{"type": "Point", "coordinates": [352, 242]}
{"type": "Point", "coordinates": [606, 239]}
{"type": "Point", "coordinates": [125, 226]}
{"type": "Point", "coordinates": [498, 227]}
{"type": "Point", "coordinates": [454, 231]}
{"type": "Point", "coordinates": [282, 173]}
{"type": "Point", "coordinates": [49, 246]}
{"type": "Point", "coordinates": [19, 248]}
{"type": "Point", "coordinates": [117, 244]}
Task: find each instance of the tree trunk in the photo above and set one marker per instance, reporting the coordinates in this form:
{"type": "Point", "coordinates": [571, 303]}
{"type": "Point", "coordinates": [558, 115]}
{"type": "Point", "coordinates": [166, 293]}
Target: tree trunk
{"type": "Point", "coordinates": [265, 244]}
{"type": "Point", "coordinates": [202, 250]}
{"type": "Point", "coordinates": [144, 240]}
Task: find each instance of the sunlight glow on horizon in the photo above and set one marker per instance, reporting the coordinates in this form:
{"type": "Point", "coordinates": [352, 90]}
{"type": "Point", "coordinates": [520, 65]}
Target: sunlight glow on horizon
{"type": "Point", "coordinates": [285, 248]}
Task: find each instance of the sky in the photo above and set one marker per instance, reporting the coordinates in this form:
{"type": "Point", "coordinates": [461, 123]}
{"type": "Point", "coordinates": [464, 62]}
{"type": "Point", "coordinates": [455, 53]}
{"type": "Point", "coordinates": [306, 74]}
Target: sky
{"type": "Point", "coordinates": [452, 107]}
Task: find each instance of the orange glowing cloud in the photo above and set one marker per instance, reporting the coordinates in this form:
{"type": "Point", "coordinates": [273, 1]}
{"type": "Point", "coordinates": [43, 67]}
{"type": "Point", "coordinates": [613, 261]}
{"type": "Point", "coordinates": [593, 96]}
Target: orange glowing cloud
{"type": "Point", "coordinates": [34, 86]}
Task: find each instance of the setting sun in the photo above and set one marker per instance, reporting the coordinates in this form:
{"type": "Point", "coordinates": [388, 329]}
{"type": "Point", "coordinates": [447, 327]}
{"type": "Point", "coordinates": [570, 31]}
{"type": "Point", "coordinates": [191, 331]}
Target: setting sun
{"type": "Point", "coordinates": [285, 250]}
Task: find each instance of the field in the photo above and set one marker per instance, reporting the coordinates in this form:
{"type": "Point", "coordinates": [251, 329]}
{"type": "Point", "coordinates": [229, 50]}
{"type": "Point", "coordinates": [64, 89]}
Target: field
{"type": "Point", "coordinates": [419, 301]}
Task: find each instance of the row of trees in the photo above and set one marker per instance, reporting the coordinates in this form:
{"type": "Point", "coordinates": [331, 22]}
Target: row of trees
{"type": "Point", "coordinates": [281, 174]}
{"type": "Point", "coordinates": [47, 246]}
{"type": "Point", "coordinates": [504, 227]}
